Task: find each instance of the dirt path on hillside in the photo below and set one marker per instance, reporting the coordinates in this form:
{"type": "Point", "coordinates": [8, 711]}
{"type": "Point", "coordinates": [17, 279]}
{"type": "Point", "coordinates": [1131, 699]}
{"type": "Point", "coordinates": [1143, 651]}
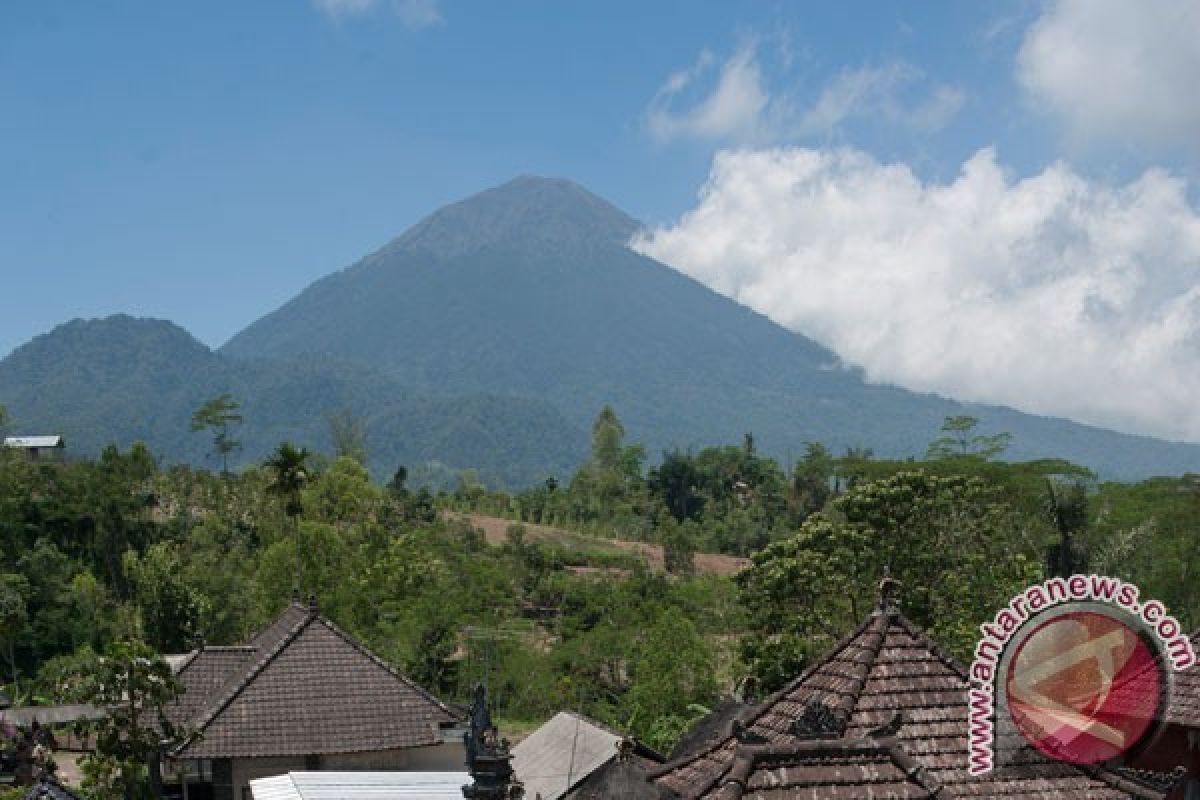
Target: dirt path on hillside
{"type": "Point", "coordinates": [495, 531]}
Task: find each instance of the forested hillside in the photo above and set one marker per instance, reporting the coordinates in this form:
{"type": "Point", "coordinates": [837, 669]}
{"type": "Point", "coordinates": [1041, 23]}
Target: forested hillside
{"type": "Point", "coordinates": [120, 380]}
{"type": "Point", "coordinates": [97, 552]}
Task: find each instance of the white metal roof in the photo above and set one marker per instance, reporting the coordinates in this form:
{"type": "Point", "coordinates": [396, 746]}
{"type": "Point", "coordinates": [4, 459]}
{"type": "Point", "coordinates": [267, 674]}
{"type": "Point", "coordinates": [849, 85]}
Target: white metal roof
{"type": "Point", "coordinates": [361, 786]}
{"type": "Point", "coordinates": [561, 753]}
{"type": "Point", "coordinates": [33, 441]}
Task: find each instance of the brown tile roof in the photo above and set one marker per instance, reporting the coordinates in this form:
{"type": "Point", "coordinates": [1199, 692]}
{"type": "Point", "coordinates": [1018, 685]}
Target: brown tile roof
{"type": "Point", "coordinates": [884, 667]}
{"type": "Point", "coordinates": [1184, 708]}
{"type": "Point", "coordinates": [204, 672]}
{"type": "Point", "coordinates": [308, 688]}
{"type": "Point", "coordinates": [826, 768]}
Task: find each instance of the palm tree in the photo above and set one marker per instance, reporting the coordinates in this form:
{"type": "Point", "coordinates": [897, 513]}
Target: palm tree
{"type": "Point", "coordinates": [289, 473]}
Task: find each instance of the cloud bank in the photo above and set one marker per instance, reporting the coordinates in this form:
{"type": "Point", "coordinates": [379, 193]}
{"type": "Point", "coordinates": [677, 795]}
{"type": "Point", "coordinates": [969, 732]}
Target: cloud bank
{"type": "Point", "coordinates": [1117, 71]}
{"type": "Point", "coordinates": [1053, 294]}
{"type": "Point", "coordinates": [733, 102]}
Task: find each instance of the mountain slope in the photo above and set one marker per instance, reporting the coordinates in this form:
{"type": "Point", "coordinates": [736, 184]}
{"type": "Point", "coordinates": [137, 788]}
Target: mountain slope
{"type": "Point", "coordinates": [120, 379]}
{"type": "Point", "coordinates": [529, 288]}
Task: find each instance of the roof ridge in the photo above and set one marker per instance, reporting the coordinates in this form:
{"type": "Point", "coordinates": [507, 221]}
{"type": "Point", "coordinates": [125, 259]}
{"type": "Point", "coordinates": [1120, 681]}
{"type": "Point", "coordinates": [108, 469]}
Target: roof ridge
{"type": "Point", "coordinates": [1138, 790]}
{"type": "Point", "coordinates": [748, 756]}
{"type": "Point", "coordinates": [328, 623]}
{"type": "Point", "coordinates": [236, 688]}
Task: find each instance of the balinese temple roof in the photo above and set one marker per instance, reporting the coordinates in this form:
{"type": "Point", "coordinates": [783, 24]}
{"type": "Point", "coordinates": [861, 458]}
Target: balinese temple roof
{"type": "Point", "coordinates": [884, 714]}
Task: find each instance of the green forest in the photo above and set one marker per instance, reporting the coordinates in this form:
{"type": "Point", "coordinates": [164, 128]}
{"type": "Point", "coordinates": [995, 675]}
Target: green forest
{"type": "Point", "coordinates": [123, 551]}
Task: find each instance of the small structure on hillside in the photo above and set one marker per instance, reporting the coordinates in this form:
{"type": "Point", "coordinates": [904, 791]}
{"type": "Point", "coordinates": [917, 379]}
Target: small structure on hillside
{"type": "Point", "coordinates": [302, 695]}
{"type": "Point", "coordinates": [39, 449]}
{"type": "Point", "coordinates": [572, 757]}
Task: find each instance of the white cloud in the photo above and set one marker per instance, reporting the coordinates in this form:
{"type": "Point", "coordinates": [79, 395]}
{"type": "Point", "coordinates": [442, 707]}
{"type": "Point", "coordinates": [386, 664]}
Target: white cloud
{"type": "Point", "coordinates": [415, 14]}
{"type": "Point", "coordinates": [1117, 71]}
{"type": "Point", "coordinates": [875, 92]}
{"type": "Point", "coordinates": [1053, 294]}
{"type": "Point", "coordinates": [345, 8]}
{"type": "Point", "coordinates": [734, 109]}
{"type": "Point", "coordinates": [418, 14]}
{"type": "Point", "coordinates": [740, 107]}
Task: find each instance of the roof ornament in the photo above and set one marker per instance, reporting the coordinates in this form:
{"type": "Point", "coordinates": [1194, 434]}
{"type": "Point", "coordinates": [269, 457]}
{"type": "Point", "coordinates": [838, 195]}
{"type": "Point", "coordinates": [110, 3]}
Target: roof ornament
{"type": "Point", "coordinates": [488, 757]}
{"type": "Point", "coordinates": [889, 728]}
{"type": "Point", "coordinates": [889, 593]}
{"type": "Point", "coordinates": [744, 735]}
{"type": "Point", "coordinates": [817, 720]}
{"type": "Point", "coordinates": [625, 747]}
{"type": "Point", "coordinates": [312, 603]}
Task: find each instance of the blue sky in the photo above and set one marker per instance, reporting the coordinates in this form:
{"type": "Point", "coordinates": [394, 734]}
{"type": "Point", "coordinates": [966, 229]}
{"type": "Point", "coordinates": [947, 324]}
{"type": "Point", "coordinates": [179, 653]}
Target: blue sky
{"type": "Point", "coordinates": [203, 162]}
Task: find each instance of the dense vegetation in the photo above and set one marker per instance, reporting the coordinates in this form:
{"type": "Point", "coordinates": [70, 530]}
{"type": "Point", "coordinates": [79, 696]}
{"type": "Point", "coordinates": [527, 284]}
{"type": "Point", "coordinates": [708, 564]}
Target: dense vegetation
{"type": "Point", "coordinates": [97, 553]}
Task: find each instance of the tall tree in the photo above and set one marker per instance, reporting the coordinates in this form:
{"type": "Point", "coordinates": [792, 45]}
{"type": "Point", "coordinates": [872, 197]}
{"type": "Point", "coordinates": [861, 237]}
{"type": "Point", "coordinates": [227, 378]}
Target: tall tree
{"type": "Point", "coordinates": [348, 433]}
{"type": "Point", "coordinates": [217, 415]}
{"type": "Point", "coordinates": [289, 470]}
{"type": "Point", "coordinates": [959, 440]}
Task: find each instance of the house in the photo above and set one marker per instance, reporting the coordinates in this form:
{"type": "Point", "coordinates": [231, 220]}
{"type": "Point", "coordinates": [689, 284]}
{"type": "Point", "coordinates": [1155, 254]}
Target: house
{"type": "Point", "coordinates": [360, 786]}
{"type": "Point", "coordinates": [572, 757]}
{"type": "Point", "coordinates": [301, 695]}
{"type": "Point", "coordinates": [39, 449]}
{"type": "Point", "coordinates": [883, 714]}
{"type": "Point", "coordinates": [1178, 744]}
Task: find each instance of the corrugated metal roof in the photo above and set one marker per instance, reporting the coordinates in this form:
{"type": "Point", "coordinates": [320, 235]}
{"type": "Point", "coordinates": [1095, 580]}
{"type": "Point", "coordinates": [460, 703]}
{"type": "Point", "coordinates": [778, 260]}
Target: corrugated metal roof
{"type": "Point", "coordinates": [561, 753]}
{"type": "Point", "coordinates": [34, 441]}
{"type": "Point", "coordinates": [361, 786]}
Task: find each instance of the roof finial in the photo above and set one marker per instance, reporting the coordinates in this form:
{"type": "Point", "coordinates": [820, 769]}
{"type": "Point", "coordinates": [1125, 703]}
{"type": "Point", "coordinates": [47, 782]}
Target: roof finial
{"type": "Point", "coordinates": [312, 602]}
{"type": "Point", "coordinates": [296, 598]}
{"type": "Point", "coordinates": [889, 591]}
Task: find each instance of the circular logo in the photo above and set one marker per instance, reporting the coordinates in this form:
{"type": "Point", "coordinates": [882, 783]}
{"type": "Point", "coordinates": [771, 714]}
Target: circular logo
{"type": "Point", "coordinates": [1084, 687]}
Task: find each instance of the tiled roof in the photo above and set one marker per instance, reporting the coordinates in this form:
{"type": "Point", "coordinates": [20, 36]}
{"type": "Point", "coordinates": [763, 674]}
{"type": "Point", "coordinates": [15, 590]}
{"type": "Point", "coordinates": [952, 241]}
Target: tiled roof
{"type": "Point", "coordinates": [1184, 708]}
{"type": "Point", "coordinates": [888, 666]}
{"type": "Point", "coordinates": [308, 688]}
{"type": "Point", "coordinates": [203, 673]}
{"type": "Point", "coordinates": [826, 768]}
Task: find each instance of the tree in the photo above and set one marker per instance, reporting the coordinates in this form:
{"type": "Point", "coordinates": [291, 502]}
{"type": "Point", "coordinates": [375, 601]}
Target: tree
{"type": "Point", "coordinates": [676, 481]}
{"type": "Point", "coordinates": [348, 433]}
{"type": "Point", "coordinates": [14, 615]}
{"type": "Point", "coordinates": [958, 551]}
{"type": "Point", "coordinates": [217, 415]}
{"type": "Point", "coordinates": [135, 685]}
{"type": "Point", "coordinates": [673, 669]}
{"type": "Point", "coordinates": [961, 441]}
{"type": "Point", "coordinates": [170, 613]}
{"type": "Point", "coordinates": [288, 466]}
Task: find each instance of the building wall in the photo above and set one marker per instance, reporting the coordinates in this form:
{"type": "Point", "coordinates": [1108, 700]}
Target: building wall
{"type": "Point", "coordinates": [445, 757]}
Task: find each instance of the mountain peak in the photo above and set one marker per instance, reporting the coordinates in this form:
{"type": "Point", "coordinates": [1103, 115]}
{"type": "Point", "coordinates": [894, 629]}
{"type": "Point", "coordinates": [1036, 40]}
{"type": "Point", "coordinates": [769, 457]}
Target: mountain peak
{"type": "Point", "coordinates": [529, 210]}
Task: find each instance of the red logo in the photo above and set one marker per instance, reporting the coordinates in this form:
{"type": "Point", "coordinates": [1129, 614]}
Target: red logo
{"type": "Point", "coordinates": [1084, 687]}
